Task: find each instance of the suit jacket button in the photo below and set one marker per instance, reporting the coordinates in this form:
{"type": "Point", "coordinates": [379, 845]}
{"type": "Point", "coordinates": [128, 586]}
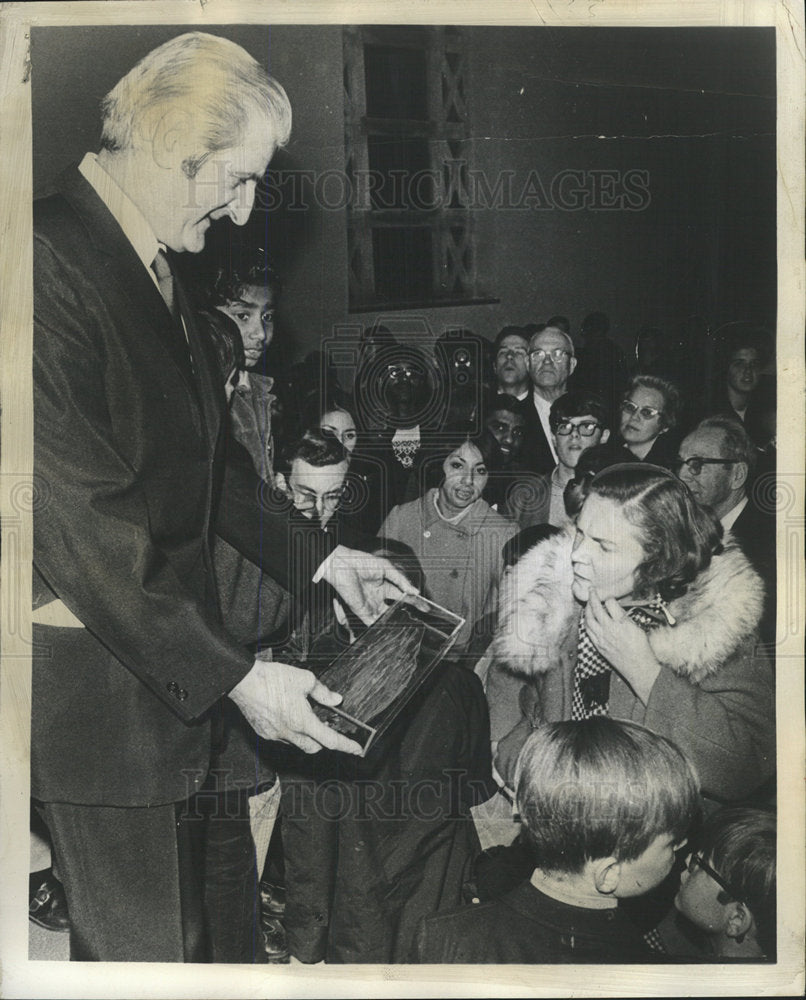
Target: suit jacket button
{"type": "Point", "coordinates": [172, 686]}
{"type": "Point", "coordinates": [181, 694]}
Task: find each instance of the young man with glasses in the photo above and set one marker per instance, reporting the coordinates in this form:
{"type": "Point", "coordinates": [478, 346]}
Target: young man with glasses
{"type": "Point", "coordinates": [579, 421]}
{"type": "Point", "coordinates": [551, 362]}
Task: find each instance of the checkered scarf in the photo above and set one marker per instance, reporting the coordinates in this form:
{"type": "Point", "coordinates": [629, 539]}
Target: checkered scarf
{"type": "Point", "coordinates": [592, 671]}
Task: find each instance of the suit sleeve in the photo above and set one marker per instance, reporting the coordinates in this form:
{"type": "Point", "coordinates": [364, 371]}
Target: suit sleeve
{"type": "Point", "coordinates": [93, 539]}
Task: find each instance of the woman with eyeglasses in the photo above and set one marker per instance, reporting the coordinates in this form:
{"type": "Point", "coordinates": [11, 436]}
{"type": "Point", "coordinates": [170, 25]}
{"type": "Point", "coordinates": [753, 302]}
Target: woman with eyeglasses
{"type": "Point", "coordinates": [638, 612]}
{"type": "Point", "coordinates": [647, 419]}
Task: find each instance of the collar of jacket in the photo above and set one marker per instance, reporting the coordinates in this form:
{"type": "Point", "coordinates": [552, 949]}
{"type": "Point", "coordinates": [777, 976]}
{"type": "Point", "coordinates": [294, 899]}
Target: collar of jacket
{"type": "Point", "coordinates": [720, 610]}
{"type": "Point", "coordinates": [470, 524]}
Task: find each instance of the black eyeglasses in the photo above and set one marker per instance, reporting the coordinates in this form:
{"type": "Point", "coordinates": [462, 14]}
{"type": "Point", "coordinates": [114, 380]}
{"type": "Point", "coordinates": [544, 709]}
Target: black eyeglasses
{"type": "Point", "coordinates": [646, 412]}
{"type": "Point", "coordinates": [697, 861]}
{"type": "Point", "coordinates": [695, 464]}
{"type": "Point", "coordinates": [585, 429]}
{"type": "Point", "coordinates": [558, 355]}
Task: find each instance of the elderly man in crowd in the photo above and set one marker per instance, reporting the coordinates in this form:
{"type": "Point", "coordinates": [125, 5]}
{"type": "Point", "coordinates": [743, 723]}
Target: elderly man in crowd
{"type": "Point", "coordinates": [716, 462]}
{"type": "Point", "coordinates": [551, 362]}
{"type": "Point", "coordinates": [132, 661]}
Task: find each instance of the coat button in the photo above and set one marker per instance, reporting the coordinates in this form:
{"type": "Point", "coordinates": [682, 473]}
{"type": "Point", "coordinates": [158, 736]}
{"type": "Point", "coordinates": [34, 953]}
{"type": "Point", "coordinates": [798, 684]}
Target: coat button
{"type": "Point", "coordinates": [181, 694]}
{"type": "Point", "coordinates": [172, 686]}
{"type": "Point", "coordinates": [426, 534]}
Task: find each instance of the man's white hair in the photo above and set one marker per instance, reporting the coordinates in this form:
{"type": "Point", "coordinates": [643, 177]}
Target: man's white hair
{"type": "Point", "coordinates": [214, 82]}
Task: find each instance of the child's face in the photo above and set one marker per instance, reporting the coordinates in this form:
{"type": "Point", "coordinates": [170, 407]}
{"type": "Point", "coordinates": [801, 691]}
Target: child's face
{"type": "Point", "coordinates": [698, 899]}
{"type": "Point", "coordinates": [253, 311]}
{"type": "Point", "coordinates": [648, 869]}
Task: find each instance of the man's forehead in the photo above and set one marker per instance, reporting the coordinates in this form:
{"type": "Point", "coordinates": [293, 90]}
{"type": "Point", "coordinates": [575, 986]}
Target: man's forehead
{"type": "Point", "coordinates": [317, 476]}
{"type": "Point", "coordinates": [513, 340]}
{"type": "Point", "coordinates": [552, 337]}
{"type": "Point", "coordinates": [705, 443]}
{"type": "Point", "coordinates": [507, 417]}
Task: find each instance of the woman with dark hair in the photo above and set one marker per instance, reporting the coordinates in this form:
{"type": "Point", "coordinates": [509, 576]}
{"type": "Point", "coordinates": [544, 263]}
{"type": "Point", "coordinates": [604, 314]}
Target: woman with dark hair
{"type": "Point", "coordinates": [649, 413]}
{"type": "Point", "coordinates": [639, 612]}
{"type": "Point", "coordinates": [455, 534]}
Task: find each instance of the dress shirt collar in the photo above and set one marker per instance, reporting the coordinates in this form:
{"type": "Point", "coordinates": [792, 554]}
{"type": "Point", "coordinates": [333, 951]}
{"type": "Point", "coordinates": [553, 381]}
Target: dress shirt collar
{"type": "Point", "coordinates": [733, 514]}
{"type": "Point", "coordinates": [127, 215]}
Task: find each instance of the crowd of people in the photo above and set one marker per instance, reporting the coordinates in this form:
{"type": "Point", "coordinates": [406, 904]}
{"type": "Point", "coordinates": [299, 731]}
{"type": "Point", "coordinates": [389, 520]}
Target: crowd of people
{"type": "Point", "coordinates": [219, 531]}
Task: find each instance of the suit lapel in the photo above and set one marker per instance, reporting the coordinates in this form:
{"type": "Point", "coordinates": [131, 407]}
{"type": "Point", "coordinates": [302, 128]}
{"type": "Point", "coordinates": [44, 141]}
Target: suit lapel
{"type": "Point", "coordinates": [123, 267]}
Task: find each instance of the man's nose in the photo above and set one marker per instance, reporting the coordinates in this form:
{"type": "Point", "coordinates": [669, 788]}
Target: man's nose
{"type": "Point", "coordinates": [240, 207]}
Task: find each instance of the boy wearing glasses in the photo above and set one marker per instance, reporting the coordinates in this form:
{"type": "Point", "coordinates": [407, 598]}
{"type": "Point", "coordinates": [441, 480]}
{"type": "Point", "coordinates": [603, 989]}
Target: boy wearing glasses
{"type": "Point", "coordinates": [605, 806]}
{"type": "Point", "coordinates": [578, 421]}
{"type": "Point", "coordinates": [728, 889]}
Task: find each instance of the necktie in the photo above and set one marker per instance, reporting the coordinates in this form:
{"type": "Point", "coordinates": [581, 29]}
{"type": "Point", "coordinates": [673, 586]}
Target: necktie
{"type": "Point", "coordinates": [165, 279]}
{"type": "Point", "coordinates": [162, 268]}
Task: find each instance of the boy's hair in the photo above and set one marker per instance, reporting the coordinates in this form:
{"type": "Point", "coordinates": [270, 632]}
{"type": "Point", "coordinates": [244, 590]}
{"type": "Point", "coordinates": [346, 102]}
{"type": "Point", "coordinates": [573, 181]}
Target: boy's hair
{"type": "Point", "coordinates": [237, 265]}
{"type": "Point", "coordinates": [591, 462]}
{"type": "Point", "coordinates": [578, 403]}
{"type": "Point", "coordinates": [740, 845]}
{"type": "Point", "coordinates": [317, 448]}
{"type": "Point", "coordinates": [602, 788]}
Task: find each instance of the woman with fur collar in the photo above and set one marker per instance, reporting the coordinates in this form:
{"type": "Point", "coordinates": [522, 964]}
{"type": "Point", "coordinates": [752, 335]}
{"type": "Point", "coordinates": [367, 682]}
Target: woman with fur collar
{"type": "Point", "coordinates": [638, 611]}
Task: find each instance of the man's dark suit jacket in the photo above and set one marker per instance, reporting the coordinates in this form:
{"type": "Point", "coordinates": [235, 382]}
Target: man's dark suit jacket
{"type": "Point", "coordinates": [131, 461]}
{"type": "Point", "coordinates": [754, 529]}
{"type": "Point", "coordinates": [536, 454]}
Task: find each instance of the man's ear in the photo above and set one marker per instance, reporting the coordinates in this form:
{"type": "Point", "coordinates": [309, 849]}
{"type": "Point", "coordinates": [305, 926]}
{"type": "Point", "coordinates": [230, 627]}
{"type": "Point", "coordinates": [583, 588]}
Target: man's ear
{"type": "Point", "coordinates": [572, 364]}
{"type": "Point", "coordinates": [739, 920]}
{"type": "Point", "coordinates": [606, 875]}
{"type": "Point", "coordinates": [739, 475]}
{"type": "Point", "coordinates": [605, 436]}
{"type": "Point", "coordinates": [167, 133]}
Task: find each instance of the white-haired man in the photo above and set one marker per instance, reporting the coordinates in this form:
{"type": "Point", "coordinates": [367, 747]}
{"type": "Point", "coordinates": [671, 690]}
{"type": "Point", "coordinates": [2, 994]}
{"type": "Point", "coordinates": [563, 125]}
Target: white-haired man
{"type": "Point", "coordinates": [131, 661]}
{"type": "Point", "coordinates": [551, 362]}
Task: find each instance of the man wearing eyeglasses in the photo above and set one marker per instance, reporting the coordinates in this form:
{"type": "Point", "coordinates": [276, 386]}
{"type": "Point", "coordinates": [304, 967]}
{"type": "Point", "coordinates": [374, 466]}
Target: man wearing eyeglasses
{"type": "Point", "coordinates": [579, 421]}
{"type": "Point", "coordinates": [551, 362]}
{"type": "Point", "coordinates": [716, 462]}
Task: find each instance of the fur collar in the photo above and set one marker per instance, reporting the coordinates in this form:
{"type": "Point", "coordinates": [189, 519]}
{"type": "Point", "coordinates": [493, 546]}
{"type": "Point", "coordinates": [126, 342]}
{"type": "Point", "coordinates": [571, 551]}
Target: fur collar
{"type": "Point", "coordinates": [538, 613]}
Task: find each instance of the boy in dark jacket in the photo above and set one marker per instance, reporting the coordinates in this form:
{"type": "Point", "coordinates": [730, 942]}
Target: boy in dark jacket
{"type": "Point", "coordinates": [605, 805]}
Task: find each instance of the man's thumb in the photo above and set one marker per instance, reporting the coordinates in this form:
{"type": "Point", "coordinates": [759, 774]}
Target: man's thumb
{"type": "Point", "coordinates": [324, 695]}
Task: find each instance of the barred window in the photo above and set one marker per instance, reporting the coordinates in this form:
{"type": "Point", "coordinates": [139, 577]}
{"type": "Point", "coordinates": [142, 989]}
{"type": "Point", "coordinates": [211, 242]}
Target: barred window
{"type": "Point", "coordinates": [410, 232]}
